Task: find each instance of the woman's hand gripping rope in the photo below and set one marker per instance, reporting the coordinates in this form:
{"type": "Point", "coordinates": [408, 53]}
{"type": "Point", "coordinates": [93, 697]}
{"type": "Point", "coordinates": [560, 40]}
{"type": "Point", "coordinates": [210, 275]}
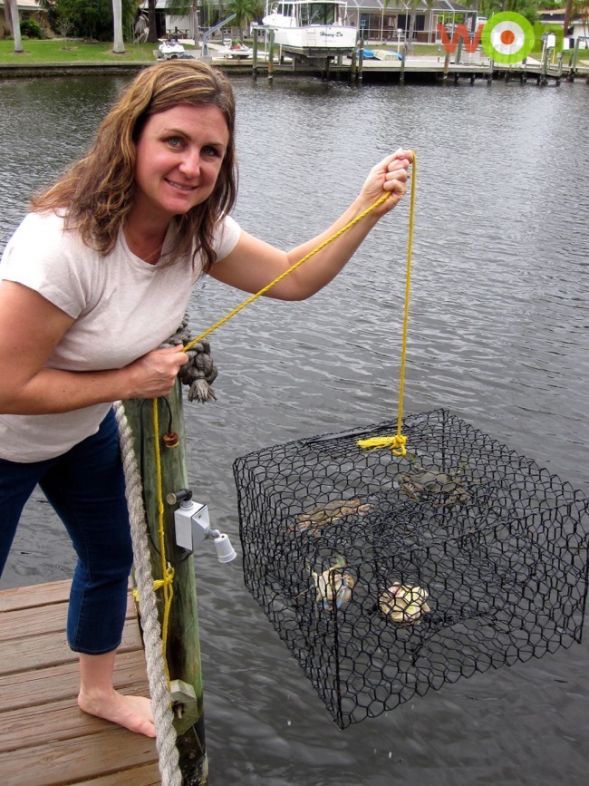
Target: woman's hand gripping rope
{"type": "Point", "coordinates": [387, 180]}
{"type": "Point", "coordinates": [153, 375]}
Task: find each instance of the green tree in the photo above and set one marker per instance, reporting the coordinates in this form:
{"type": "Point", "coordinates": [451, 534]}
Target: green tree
{"type": "Point", "coordinates": [91, 19]}
{"type": "Point", "coordinates": [245, 12]}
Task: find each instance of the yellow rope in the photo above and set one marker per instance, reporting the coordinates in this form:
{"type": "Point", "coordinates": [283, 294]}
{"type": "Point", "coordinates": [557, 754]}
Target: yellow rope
{"type": "Point", "coordinates": [287, 272]}
{"type": "Point", "coordinates": [398, 442]}
{"type": "Point", "coordinates": [167, 581]}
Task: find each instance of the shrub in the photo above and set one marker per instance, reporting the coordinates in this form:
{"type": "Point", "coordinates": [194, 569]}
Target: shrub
{"type": "Point", "coordinates": [31, 28]}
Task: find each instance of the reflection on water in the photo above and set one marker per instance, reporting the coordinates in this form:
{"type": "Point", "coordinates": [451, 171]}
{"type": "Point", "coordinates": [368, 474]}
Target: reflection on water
{"type": "Point", "coordinates": [498, 335]}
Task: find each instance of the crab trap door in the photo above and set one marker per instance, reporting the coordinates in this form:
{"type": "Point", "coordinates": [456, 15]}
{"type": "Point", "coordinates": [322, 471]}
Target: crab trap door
{"type": "Point", "coordinates": [389, 576]}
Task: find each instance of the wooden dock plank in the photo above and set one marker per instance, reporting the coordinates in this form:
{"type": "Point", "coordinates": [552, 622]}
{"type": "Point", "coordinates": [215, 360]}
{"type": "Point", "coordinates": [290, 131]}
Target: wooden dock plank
{"type": "Point", "coordinates": [45, 740]}
{"type": "Point", "coordinates": [35, 595]}
{"type": "Point", "coordinates": [59, 762]}
{"type": "Point", "coordinates": [32, 621]}
{"type": "Point", "coordinates": [50, 650]}
{"type": "Point", "coordinates": [41, 686]}
{"type": "Point", "coordinates": [28, 726]}
{"type": "Point", "coordinates": [138, 776]}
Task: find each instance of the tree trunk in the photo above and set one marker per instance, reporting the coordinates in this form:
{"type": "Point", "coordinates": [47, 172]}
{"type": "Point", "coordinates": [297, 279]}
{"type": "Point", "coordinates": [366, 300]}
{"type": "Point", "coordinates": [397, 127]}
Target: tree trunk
{"type": "Point", "coordinates": [14, 19]}
{"type": "Point", "coordinates": [152, 36]}
{"type": "Point", "coordinates": [117, 20]}
{"type": "Point", "coordinates": [568, 15]}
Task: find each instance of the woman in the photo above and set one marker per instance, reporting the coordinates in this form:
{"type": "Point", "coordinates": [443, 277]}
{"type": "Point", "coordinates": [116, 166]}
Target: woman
{"type": "Point", "coordinates": [97, 276]}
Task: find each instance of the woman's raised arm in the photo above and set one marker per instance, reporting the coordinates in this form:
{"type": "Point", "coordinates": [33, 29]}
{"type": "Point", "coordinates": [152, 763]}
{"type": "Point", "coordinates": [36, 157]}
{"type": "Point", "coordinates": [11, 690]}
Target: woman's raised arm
{"type": "Point", "coordinates": [253, 263]}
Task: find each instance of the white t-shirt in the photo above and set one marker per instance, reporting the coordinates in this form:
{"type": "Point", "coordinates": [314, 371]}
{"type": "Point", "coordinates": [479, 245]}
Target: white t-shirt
{"type": "Point", "coordinates": [123, 308]}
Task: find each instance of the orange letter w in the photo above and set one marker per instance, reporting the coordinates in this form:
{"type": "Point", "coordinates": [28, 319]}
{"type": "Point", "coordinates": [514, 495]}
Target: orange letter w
{"type": "Point", "coordinates": [460, 32]}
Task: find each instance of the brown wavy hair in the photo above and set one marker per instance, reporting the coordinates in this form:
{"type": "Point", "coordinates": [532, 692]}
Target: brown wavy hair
{"type": "Point", "coordinates": [97, 191]}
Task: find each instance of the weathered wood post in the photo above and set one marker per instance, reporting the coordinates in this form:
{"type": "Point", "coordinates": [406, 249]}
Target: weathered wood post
{"type": "Point", "coordinates": [270, 55]}
{"type": "Point", "coordinates": [543, 79]}
{"type": "Point", "coordinates": [255, 54]}
{"type": "Point", "coordinates": [458, 57]}
{"type": "Point", "coordinates": [183, 646]}
{"type": "Point", "coordinates": [403, 59]}
{"type": "Point", "coordinates": [446, 67]}
{"type": "Point", "coordinates": [353, 67]}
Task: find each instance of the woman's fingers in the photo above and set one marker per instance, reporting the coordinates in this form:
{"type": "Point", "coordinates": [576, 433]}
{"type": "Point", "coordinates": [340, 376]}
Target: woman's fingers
{"type": "Point", "coordinates": [155, 373]}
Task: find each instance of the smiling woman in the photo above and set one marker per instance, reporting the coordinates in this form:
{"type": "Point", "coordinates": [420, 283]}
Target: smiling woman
{"type": "Point", "coordinates": [110, 250]}
{"type": "Point", "coordinates": [178, 160]}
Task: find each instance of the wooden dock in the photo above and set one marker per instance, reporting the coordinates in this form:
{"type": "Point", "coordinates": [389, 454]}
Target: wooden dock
{"type": "Point", "coordinates": [415, 69]}
{"type": "Point", "coordinates": [45, 740]}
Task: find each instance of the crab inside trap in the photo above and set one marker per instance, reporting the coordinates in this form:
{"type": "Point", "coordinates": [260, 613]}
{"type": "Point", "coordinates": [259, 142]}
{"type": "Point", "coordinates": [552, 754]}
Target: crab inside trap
{"type": "Point", "coordinates": [389, 576]}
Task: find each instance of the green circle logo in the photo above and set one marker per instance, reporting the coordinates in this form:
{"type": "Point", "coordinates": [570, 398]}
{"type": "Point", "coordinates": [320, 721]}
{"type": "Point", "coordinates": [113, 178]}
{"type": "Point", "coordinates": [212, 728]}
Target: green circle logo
{"type": "Point", "coordinates": [508, 38]}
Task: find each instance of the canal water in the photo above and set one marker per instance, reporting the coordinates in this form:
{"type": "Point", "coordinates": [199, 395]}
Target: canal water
{"type": "Point", "coordinates": [498, 335]}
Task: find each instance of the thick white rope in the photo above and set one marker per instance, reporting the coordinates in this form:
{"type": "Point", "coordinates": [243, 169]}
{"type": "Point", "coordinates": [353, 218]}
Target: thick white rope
{"type": "Point", "coordinates": [158, 687]}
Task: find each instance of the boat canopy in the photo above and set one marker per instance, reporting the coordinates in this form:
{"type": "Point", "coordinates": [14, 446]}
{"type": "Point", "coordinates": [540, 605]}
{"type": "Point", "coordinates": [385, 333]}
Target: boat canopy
{"type": "Point", "coordinates": [311, 12]}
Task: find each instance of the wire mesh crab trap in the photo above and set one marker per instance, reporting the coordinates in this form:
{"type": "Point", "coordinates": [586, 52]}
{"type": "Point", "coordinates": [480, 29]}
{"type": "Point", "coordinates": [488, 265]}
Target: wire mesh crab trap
{"type": "Point", "coordinates": [387, 577]}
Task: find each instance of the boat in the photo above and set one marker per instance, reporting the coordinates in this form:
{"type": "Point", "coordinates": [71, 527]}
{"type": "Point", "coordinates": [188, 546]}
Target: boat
{"type": "Point", "coordinates": [171, 49]}
{"type": "Point", "coordinates": [312, 28]}
{"type": "Point", "coordinates": [239, 51]}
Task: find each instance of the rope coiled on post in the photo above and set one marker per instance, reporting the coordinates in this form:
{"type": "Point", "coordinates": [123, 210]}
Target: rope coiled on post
{"type": "Point", "coordinates": [156, 672]}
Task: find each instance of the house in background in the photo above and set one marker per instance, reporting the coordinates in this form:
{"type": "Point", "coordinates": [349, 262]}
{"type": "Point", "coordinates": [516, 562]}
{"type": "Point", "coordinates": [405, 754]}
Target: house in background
{"type": "Point", "coordinates": [382, 21]}
{"type": "Point", "coordinates": [376, 20]}
{"type": "Point", "coordinates": [578, 26]}
{"type": "Point", "coordinates": [28, 9]}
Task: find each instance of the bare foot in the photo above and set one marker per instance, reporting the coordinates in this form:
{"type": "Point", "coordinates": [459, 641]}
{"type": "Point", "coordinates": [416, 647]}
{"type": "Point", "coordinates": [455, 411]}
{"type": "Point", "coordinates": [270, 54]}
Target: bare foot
{"type": "Point", "coordinates": [132, 712]}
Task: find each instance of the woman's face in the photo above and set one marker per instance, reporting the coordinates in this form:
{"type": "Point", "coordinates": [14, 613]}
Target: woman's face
{"type": "Point", "coordinates": [179, 157]}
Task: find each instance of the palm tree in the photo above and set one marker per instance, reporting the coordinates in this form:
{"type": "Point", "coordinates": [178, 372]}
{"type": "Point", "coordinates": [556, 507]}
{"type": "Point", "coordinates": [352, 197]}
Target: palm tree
{"type": "Point", "coordinates": [117, 20]}
{"type": "Point", "coordinates": [14, 20]}
{"type": "Point", "coordinates": [245, 11]}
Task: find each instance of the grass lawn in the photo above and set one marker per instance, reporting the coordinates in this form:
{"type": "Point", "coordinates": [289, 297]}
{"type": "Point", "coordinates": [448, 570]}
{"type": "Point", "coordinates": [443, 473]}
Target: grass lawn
{"type": "Point", "coordinates": [58, 50]}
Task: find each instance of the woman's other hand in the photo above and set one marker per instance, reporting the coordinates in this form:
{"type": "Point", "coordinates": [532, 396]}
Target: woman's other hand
{"type": "Point", "coordinates": [154, 374]}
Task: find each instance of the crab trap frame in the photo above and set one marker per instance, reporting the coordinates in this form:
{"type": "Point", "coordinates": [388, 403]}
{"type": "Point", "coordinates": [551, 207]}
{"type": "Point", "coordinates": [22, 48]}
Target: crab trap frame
{"type": "Point", "coordinates": [389, 576]}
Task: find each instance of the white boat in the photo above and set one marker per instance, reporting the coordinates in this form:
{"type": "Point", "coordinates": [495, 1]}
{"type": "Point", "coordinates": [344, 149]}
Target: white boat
{"type": "Point", "coordinates": [171, 49]}
{"type": "Point", "coordinates": [238, 51]}
{"type": "Point", "coordinates": [311, 27]}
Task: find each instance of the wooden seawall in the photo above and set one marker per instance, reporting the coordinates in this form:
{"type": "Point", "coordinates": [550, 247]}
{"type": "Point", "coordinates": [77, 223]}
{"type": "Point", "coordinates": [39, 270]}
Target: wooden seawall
{"type": "Point", "coordinates": [45, 740]}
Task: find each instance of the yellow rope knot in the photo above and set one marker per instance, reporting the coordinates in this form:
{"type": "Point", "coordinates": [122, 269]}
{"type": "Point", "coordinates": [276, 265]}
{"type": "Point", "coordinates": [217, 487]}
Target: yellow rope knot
{"type": "Point", "coordinates": [167, 580]}
{"type": "Point", "coordinates": [396, 443]}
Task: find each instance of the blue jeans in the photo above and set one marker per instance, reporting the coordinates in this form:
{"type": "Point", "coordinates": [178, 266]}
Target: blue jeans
{"type": "Point", "coordinates": [86, 487]}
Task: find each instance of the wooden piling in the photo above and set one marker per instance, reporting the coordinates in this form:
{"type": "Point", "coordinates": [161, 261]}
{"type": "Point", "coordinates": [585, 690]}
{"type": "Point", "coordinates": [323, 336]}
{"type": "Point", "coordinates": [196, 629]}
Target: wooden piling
{"type": "Point", "coordinates": [270, 55]}
{"type": "Point", "coordinates": [255, 54]}
{"type": "Point", "coordinates": [183, 645]}
{"type": "Point", "coordinates": [353, 67]}
{"type": "Point", "coordinates": [543, 77]}
{"type": "Point", "coordinates": [446, 67]}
